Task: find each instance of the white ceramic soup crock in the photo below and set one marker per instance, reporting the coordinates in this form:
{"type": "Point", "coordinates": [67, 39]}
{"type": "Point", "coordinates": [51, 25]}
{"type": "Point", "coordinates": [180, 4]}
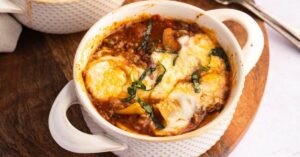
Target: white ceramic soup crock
{"type": "Point", "coordinates": [125, 143]}
{"type": "Point", "coordinates": [59, 16]}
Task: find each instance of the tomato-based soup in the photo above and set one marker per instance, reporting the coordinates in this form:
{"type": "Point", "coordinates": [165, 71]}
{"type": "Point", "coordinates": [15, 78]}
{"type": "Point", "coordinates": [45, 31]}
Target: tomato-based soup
{"type": "Point", "coordinates": [158, 77]}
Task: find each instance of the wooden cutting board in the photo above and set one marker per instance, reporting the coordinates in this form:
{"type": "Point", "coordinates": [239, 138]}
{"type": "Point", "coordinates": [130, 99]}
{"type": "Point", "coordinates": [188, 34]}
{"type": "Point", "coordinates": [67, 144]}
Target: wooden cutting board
{"type": "Point", "coordinates": [33, 75]}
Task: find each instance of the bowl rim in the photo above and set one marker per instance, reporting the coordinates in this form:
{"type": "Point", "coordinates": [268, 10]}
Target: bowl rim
{"type": "Point", "coordinates": [102, 122]}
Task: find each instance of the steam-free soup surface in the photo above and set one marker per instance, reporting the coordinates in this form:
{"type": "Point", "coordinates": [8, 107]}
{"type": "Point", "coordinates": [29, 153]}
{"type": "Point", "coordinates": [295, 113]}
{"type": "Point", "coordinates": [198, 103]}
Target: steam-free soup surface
{"type": "Point", "coordinates": [158, 77]}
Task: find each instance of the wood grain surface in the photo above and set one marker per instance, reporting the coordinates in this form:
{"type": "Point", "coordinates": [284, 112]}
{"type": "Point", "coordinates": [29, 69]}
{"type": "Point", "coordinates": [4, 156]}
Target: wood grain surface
{"type": "Point", "coordinates": [33, 75]}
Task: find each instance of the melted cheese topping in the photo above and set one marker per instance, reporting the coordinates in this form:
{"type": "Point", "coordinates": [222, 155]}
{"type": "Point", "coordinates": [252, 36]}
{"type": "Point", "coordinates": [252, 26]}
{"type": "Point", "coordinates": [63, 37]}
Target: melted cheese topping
{"type": "Point", "coordinates": [178, 109]}
{"type": "Point", "coordinates": [194, 52]}
{"type": "Point", "coordinates": [213, 87]}
{"type": "Point", "coordinates": [109, 77]}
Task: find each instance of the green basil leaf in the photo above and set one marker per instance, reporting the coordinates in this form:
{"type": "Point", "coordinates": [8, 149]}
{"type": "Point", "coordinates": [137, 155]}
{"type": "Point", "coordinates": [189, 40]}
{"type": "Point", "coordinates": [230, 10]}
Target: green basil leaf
{"type": "Point", "coordinates": [147, 72]}
{"type": "Point", "coordinates": [145, 41]}
{"type": "Point", "coordinates": [160, 77]}
{"type": "Point", "coordinates": [139, 85]}
{"type": "Point", "coordinates": [149, 110]}
{"type": "Point", "coordinates": [131, 90]}
{"type": "Point", "coordinates": [219, 52]}
{"type": "Point", "coordinates": [157, 124]}
{"type": "Point", "coordinates": [145, 106]}
{"type": "Point", "coordinates": [175, 59]}
{"type": "Point", "coordinates": [150, 47]}
{"type": "Point", "coordinates": [195, 80]}
{"type": "Point", "coordinates": [204, 68]}
{"type": "Point", "coordinates": [160, 50]}
{"type": "Point", "coordinates": [171, 51]}
{"type": "Point", "coordinates": [128, 99]}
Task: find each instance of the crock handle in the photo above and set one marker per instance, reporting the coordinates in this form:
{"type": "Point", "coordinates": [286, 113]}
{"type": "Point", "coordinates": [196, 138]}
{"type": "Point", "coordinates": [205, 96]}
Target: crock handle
{"type": "Point", "coordinates": [255, 41]}
{"type": "Point", "coordinates": [70, 138]}
{"type": "Point", "coordinates": [7, 6]}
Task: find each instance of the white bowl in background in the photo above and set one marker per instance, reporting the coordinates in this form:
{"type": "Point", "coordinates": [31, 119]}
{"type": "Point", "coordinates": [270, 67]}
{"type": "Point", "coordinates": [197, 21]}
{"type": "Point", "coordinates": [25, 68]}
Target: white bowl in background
{"type": "Point", "coordinates": [60, 16]}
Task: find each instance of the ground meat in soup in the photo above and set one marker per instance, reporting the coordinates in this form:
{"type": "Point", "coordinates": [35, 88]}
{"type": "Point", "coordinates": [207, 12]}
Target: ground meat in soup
{"type": "Point", "coordinates": [158, 77]}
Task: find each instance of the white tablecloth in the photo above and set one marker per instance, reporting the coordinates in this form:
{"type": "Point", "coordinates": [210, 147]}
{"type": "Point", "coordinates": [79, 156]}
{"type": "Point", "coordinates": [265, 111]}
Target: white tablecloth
{"type": "Point", "coordinates": [275, 131]}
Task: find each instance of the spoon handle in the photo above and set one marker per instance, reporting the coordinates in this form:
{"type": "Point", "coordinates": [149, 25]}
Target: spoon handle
{"type": "Point", "coordinates": [288, 31]}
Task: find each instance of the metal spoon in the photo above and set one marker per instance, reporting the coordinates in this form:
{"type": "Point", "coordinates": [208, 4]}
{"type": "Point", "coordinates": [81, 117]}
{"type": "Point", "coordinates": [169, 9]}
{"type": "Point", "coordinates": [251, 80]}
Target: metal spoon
{"type": "Point", "coordinates": [288, 31]}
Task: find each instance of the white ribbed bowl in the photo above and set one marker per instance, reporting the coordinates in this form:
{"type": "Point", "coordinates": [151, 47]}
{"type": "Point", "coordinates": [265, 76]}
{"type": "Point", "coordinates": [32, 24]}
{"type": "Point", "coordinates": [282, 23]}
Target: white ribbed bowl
{"type": "Point", "coordinates": [192, 147]}
{"type": "Point", "coordinates": [63, 16]}
{"type": "Point", "coordinates": [107, 137]}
